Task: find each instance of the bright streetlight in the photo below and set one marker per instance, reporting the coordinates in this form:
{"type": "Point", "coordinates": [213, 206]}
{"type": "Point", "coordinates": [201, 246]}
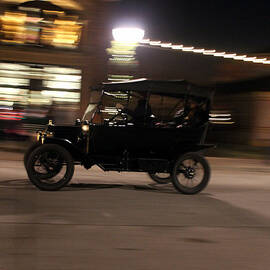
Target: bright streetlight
{"type": "Point", "coordinates": [128, 35]}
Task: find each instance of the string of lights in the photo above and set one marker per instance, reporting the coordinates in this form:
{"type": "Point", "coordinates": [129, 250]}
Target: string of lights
{"type": "Point", "coordinates": [181, 47]}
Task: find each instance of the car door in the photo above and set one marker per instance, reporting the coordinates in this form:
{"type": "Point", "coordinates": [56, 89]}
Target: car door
{"type": "Point", "coordinates": [110, 140]}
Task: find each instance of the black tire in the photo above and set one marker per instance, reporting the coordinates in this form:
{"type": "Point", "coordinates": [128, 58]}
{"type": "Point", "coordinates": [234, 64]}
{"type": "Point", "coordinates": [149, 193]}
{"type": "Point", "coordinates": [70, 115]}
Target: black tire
{"type": "Point", "coordinates": [160, 180]}
{"type": "Point", "coordinates": [28, 152]}
{"type": "Point", "coordinates": [189, 172]}
{"type": "Point", "coordinates": [48, 157]}
{"type": "Point", "coordinates": [26, 157]}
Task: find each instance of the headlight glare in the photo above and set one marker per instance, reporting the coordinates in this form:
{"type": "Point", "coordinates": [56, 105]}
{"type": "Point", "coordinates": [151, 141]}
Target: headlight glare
{"type": "Point", "coordinates": [85, 128]}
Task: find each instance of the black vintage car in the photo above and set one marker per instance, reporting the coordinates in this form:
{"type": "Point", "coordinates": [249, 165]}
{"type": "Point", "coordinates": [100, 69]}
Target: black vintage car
{"type": "Point", "coordinates": [157, 127]}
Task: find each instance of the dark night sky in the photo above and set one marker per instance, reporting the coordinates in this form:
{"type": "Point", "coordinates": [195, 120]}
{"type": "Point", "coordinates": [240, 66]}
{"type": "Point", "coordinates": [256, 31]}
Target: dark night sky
{"type": "Point", "coordinates": [236, 26]}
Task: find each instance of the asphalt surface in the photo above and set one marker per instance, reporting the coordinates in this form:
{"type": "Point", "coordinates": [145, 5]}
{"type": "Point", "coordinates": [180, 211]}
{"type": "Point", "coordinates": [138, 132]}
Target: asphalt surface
{"type": "Point", "coordinates": [119, 221]}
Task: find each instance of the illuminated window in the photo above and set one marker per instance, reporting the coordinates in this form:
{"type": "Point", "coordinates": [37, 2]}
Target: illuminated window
{"type": "Point", "coordinates": [38, 26]}
{"type": "Point", "coordinates": [62, 85]}
{"type": "Point", "coordinates": [28, 84]}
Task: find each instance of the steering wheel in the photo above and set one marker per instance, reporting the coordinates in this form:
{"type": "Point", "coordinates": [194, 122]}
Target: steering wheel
{"type": "Point", "coordinates": [121, 114]}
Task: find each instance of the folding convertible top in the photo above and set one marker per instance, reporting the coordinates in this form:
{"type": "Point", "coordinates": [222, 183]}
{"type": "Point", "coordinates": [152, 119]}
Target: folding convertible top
{"type": "Point", "coordinates": [170, 88]}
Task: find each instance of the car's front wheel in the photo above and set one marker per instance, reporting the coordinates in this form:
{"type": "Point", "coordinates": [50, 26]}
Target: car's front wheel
{"type": "Point", "coordinates": [29, 151]}
{"type": "Point", "coordinates": [50, 167]}
{"type": "Point", "coordinates": [191, 173]}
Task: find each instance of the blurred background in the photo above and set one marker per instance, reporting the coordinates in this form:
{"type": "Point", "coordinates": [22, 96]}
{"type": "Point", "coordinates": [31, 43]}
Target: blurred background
{"type": "Point", "coordinates": [47, 63]}
{"type": "Point", "coordinates": [51, 52]}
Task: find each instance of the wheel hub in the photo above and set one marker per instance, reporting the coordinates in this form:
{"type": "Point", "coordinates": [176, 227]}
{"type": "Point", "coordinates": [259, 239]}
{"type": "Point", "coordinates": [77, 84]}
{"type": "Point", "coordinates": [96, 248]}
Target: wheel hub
{"type": "Point", "coordinates": [190, 173]}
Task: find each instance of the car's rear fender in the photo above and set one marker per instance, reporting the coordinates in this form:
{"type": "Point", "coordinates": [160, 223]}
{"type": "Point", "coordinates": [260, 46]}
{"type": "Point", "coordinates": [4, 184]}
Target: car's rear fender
{"type": "Point", "coordinates": [199, 147]}
{"type": "Point", "coordinates": [182, 149]}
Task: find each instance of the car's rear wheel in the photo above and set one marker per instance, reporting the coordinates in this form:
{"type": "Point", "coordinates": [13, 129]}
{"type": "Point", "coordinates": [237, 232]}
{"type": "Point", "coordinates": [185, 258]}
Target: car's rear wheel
{"type": "Point", "coordinates": [191, 173]}
{"type": "Point", "coordinates": [50, 167]}
{"type": "Point", "coordinates": [160, 178]}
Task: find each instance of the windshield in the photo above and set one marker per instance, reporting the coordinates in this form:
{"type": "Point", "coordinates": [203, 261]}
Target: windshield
{"type": "Point", "coordinates": [148, 109]}
{"type": "Point", "coordinates": [88, 114]}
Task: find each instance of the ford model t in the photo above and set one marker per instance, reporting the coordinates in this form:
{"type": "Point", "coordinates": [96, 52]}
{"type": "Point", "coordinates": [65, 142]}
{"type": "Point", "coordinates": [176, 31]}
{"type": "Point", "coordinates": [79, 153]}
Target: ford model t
{"type": "Point", "coordinates": [157, 127]}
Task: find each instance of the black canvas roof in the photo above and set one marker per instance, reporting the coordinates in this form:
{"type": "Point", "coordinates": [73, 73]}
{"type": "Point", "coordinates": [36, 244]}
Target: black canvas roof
{"type": "Point", "coordinates": [170, 88]}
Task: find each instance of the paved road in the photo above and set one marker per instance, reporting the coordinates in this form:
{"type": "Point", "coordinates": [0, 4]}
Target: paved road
{"type": "Point", "coordinates": [124, 221]}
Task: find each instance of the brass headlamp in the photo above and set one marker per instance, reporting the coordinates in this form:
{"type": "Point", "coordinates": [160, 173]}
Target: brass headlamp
{"type": "Point", "coordinates": [41, 135]}
{"type": "Point", "coordinates": [85, 127]}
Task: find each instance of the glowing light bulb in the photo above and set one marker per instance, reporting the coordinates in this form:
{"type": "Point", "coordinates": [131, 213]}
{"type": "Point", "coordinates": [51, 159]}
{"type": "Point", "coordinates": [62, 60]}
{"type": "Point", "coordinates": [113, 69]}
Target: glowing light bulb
{"type": "Point", "coordinates": [229, 55]}
{"type": "Point", "coordinates": [187, 49]}
{"type": "Point", "coordinates": [198, 50]}
{"type": "Point", "coordinates": [166, 45]}
{"type": "Point", "coordinates": [128, 35]}
{"type": "Point", "coordinates": [249, 59]}
{"type": "Point", "coordinates": [209, 52]}
{"type": "Point", "coordinates": [177, 47]}
{"type": "Point", "coordinates": [155, 43]}
{"type": "Point", "coordinates": [239, 57]}
{"type": "Point", "coordinates": [219, 53]}
{"type": "Point", "coordinates": [259, 60]}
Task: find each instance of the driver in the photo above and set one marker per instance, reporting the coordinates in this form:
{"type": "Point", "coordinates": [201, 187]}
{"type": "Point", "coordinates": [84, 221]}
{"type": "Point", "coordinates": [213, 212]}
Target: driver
{"type": "Point", "coordinates": [141, 114]}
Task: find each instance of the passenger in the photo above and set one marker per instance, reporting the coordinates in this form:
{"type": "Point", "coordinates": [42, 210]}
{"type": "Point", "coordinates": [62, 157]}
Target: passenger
{"type": "Point", "coordinates": [194, 115]}
{"type": "Point", "coordinates": [180, 115]}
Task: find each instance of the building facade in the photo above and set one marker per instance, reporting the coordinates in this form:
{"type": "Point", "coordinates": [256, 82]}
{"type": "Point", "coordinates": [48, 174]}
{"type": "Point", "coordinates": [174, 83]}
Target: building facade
{"type": "Point", "coordinates": [50, 53]}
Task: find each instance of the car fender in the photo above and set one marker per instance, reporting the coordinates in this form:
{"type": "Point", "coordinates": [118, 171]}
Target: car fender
{"type": "Point", "coordinates": [182, 149]}
{"type": "Point", "coordinates": [76, 153]}
{"type": "Point", "coordinates": [200, 147]}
